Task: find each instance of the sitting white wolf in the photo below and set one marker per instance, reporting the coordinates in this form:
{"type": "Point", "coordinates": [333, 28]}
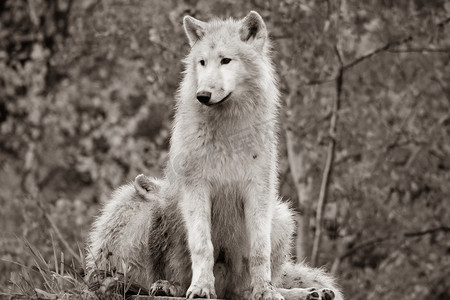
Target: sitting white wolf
{"type": "Point", "coordinates": [215, 225]}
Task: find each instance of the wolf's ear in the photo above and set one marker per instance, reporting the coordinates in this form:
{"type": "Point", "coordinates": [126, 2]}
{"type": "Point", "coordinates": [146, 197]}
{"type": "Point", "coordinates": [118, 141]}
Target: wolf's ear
{"type": "Point", "coordinates": [253, 30]}
{"type": "Point", "coordinates": [194, 29]}
{"type": "Point", "coordinates": [144, 185]}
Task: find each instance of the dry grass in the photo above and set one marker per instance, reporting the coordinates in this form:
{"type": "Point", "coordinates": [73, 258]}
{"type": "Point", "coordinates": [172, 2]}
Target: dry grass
{"type": "Point", "coordinates": [55, 279]}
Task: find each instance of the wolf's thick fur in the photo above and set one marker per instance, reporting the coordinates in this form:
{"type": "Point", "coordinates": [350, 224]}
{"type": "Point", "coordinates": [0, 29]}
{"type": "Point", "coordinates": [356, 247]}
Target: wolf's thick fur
{"type": "Point", "coordinates": [219, 187]}
{"type": "Point", "coordinates": [140, 230]}
{"type": "Point", "coordinates": [215, 225]}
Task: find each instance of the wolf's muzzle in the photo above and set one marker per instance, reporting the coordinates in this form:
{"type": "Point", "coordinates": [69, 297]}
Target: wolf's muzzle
{"type": "Point", "coordinates": [215, 103]}
{"type": "Point", "coordinates": [203, 97]}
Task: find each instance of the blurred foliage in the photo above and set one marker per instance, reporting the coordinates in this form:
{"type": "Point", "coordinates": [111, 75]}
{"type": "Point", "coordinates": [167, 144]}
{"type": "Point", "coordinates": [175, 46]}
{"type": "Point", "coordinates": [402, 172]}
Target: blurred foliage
{"type": "Point", "coordinates": [87, 96]}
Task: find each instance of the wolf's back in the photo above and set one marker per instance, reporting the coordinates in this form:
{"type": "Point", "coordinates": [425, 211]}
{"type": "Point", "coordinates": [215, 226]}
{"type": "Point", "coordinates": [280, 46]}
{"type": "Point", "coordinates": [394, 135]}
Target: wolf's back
{"type": "Point", "coordinates": [119, 236]}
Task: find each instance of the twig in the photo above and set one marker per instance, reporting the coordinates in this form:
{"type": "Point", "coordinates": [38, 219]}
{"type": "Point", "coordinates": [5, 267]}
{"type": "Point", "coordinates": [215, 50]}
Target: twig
{"type": "Point", "coordinates": [347, 157]}
{"type": "Point", "coordinates": [419, 50]}
{"type": "Point", "coordinates": [319, 81]}
{"type": "Point", "coordinates": [329, 163]}
{"type": "Point", "coordinates": [379, 240]}
{"type": "Point", "coordinates": [376, 51]}
{"type": "Point", "coordinates": [389, 45]}
{"type": "Point", "coordinates": [429, 231]}
{"type": "Point", "coordinates": [443, 22]}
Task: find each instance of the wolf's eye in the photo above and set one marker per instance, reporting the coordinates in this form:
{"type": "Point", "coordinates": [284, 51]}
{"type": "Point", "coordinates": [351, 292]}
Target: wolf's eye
{"type": "Point", "coordinates": [225, 61]}
{"type": "Point", "coordinates": [202, 62]}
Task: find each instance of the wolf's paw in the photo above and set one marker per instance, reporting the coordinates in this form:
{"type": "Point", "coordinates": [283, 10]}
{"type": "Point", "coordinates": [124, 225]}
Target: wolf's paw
{"type": "Point", "coordinates": [267, 292]}
{"type": "Point", "coordinates": [164, 288]}
{"type": "Point", "coordinates": [196, 291]}
{"type": "Point", "coordinates": [320, 294]}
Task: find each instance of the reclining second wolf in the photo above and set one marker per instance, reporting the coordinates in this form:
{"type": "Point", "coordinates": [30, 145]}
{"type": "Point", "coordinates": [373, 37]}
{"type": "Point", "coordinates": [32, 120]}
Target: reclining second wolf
{"type": "Point", "coordinates": [215, 225]}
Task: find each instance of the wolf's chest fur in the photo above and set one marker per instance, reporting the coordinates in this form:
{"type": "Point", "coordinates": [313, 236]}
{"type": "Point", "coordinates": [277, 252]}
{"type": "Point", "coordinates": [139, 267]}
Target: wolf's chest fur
{"type": "Point", "coordinates": [230, 153]}
{"type": "Point", "coordinates": [229, 157]}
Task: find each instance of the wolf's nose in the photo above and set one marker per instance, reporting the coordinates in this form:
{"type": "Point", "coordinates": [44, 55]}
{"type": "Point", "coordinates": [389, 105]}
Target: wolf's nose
{"type": "Point", "coordinates": [203, 97]}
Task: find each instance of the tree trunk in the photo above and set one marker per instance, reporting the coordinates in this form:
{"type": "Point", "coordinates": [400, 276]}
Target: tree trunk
{"type": "Point", "coordinates": [300, 167]}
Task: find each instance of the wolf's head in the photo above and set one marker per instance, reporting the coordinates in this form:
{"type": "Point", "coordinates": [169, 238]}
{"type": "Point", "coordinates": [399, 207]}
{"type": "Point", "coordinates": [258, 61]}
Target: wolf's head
{"type": "Point", "coordinates": [227, 57]}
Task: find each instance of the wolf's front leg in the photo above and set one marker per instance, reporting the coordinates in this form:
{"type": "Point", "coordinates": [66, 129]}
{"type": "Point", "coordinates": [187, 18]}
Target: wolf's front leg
{"type": "Point", "coordinates": [196, 208]}
{"type": "Point", "coordinates": [258, 219]}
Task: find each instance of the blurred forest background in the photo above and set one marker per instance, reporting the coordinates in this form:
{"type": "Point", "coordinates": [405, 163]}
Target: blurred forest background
{"type": "Point", "coordinates": [87, 97]}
